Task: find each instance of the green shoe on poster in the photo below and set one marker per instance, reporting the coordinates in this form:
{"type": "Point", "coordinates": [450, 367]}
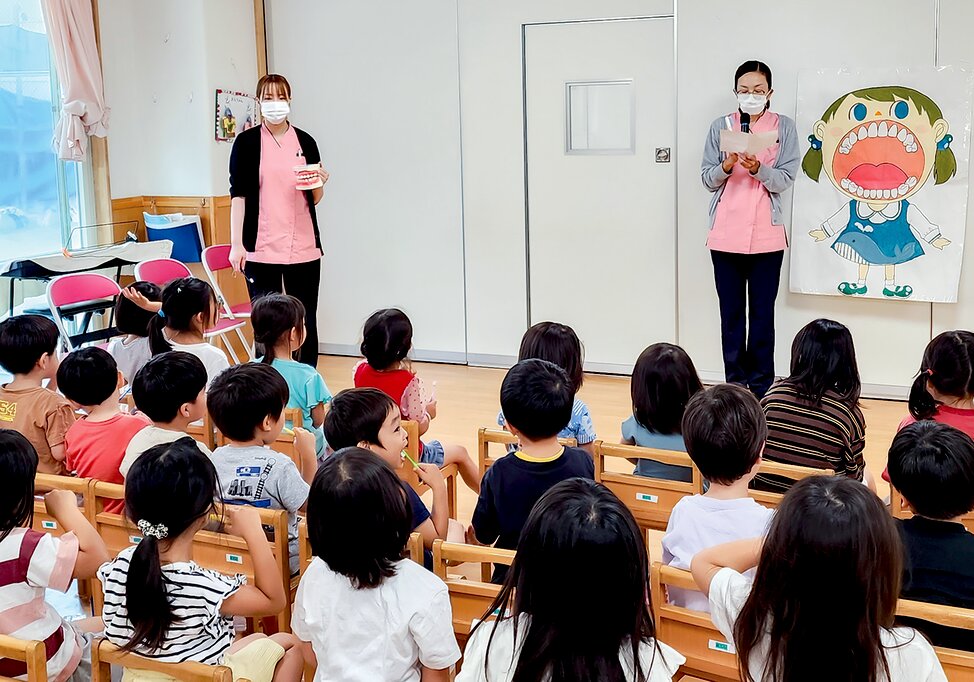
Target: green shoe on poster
{"type": "Point", "coordinates": [852, 289]}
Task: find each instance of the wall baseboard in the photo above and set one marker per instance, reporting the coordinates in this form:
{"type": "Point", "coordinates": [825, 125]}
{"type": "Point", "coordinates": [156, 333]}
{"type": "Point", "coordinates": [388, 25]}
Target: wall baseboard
{"type": "Point", "coordinates": [443, 356]}
{"type": "Point", "coordinates": [876, 391]}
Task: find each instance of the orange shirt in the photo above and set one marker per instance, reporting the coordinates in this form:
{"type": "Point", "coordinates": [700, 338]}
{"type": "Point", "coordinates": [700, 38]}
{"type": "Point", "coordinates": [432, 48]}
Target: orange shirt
{"type": "Point", "coordinates": [95, 449]}
{"type": "Point", "coordinates": [42, 416]}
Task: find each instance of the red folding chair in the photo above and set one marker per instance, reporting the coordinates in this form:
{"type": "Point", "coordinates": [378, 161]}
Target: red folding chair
{"type": "Point", "coordinates": [83, 294]}
{"type": "Point", "coordinates": [215, 259]}
{"type": "Point", "coordinates": [161, 271]}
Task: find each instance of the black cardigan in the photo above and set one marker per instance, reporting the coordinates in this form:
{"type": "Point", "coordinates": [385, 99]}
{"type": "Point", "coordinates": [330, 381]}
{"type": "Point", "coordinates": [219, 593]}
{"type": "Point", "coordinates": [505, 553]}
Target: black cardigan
{"type": "Point", "coordinates": [245, 179]}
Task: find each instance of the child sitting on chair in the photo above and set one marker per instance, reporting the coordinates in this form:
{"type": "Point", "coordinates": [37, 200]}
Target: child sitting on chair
{"type": "Point", "coordinates": [536, 398]}
{"type": "Point", "coordinates": [362, 611]}
{"type": "Point", "coordinates": [169, 390]}
{"type": "Point", "coordinates": [131, 351]}
{"type": "Point", "coordinates": [95, 444]}
{"type": "Point", "coordinates": [932, 466]}
{"type": "Point", "coordinates": [246, 403]}
{"type": "Point", "coordinates": [725, 431]}
{"type": "Point", "coordinates": [28, 350]}
{"type": "Point", "coordinates": [369, 419]}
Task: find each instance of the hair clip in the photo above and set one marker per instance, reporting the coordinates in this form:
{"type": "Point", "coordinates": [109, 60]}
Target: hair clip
{"type": "Point", "coordinates": [159, 532]}
{"type": "Point", "coordinates": [161, 313]}
{"type": "Point", "coordinates": [945, 142]}
{"type": "Point", "coordinates": [815, 142]}
{"type": "Point", "coordinates": [929, 372]}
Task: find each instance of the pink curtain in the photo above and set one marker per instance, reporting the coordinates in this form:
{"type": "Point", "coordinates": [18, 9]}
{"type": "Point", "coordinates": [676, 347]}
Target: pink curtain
{"type": "Point", "coordinates": [71, 30]}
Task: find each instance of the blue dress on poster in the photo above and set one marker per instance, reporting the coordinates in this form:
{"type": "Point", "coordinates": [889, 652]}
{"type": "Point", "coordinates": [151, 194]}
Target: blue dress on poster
{"type": "Point", "coordinates": [884, 243]}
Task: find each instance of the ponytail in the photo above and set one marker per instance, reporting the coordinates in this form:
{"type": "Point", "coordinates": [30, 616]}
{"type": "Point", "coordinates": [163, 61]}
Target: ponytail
{"type": "Point", "coordinates": [922, 405]}
{"type": "Point", "coordinates": [169, 488]}
{"type": "Point", "coordinates": [182, 300]}
{"type": "Point", "coordinates": [948, 367]}
{"type": "Point", "coordinates": [147, 598]}
{"type": "Point", "coordinates": [158, 343]}
{"type": "Point", "coordinates": [274, 316]}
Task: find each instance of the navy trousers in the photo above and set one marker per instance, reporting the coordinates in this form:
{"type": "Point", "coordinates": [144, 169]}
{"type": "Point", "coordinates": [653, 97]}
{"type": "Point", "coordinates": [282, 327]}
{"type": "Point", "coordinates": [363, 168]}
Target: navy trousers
{"type": "Point", "coordinates": [299, 280]}
{"type": "Point", "coordinates": [747, 286]}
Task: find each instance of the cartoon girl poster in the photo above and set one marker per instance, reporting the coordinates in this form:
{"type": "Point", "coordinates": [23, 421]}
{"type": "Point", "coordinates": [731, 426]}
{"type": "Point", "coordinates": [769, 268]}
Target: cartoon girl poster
{"type": "Point", "coordinates": [890, 221]}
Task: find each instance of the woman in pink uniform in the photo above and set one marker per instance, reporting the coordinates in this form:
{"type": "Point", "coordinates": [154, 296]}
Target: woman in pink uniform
{"type": "Point", "coordinates": [274, 237]}
{"type": "Point", "coordinates": [747, 233]}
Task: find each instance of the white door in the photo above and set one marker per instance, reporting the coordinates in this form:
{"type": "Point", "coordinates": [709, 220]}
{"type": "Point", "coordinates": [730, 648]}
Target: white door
{"type": "Point", "coordinates": [600, 106]}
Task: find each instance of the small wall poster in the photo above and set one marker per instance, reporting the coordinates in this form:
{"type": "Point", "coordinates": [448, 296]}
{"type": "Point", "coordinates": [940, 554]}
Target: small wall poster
{"type": "Point", "coordinates": [235, 113]}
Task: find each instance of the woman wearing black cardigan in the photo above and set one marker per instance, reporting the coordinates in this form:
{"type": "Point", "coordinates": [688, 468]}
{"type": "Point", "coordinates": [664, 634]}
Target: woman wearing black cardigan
{"type": "Point", "coordinates": [274, 237]}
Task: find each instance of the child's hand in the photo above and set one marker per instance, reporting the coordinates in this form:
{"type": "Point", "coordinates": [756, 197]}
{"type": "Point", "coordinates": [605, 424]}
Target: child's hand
{"type": "Point", "coordinates": [940, 242]}
{"type": "Point", "coordinates": [140, 300]}
{"type": "Point", "coordinates": [243, 521]}
{"type": "Point", "coordinates": [304, 440]}
{"type": "Point", "coordinates": [818, 235]}
{"type": "Point", "coordinates": [431, 475]}
{"type": "Point", "coordinates": [431, 409]}
{"type": "Point", "coordinates": [60, 502]}
{"type": "Point", "coordinates": [472, 536]}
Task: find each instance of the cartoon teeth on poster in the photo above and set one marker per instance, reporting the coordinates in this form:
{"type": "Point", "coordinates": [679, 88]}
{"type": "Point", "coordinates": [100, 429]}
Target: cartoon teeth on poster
{"type": "Point", "coordinates": [880, 207]}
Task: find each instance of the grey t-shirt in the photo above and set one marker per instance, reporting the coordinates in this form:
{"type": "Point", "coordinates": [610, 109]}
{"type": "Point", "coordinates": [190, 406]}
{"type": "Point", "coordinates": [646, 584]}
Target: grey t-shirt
{"type": "Point", "coordinates": [261, 477]}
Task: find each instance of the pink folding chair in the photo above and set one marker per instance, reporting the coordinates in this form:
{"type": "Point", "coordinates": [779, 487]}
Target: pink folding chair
{"type": "Point", "coordinates": [161, 271]}
{"type": "Point", "coordinates": [216, 258]}
{"type": "Point", "coordinates": [83, 293]}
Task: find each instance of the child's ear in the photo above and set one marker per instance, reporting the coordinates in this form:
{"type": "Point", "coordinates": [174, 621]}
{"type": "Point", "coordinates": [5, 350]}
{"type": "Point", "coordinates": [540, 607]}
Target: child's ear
{"type": "Point", "coordinates": [268, 424]}
{"type": "Point", "coordinates": [940, 128]}
{"type": "Point", "coordinates": [818, 130]}
{"type": "Point", "coordinates": [365, 445]}
{"type": "Point", "coordinates": [186, 409]}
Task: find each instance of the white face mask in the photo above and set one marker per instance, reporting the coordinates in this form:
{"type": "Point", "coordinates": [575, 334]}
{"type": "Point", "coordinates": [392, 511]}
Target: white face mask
{"type": "Point", "coordinates": [275, 111]}
{"type": "Point", "coordinates": [752, 104]}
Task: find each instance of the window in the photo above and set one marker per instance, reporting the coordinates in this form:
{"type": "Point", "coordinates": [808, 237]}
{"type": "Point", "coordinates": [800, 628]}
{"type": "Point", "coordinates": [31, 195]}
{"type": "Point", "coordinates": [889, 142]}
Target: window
{"type": "Point", "coordinates": [41, 197]}
{"type": "Point", "coordinates": [600, 117]}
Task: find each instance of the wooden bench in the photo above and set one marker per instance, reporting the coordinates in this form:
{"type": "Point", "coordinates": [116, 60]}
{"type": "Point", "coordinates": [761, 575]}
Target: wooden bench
{"type": "Point", "coordinates": [45, 523]}
{"type": "Point", "coordinates": [104, 654]}
{"type": "Point", "coordinates": [692, 633]}
{"type": "Point", "coordinates": [651, 500]}
{"type": "Point", "coordinates": [30, 652]}
{"type": "Point", "coordinates": [414, 547]}
{"type": "Point", "coordinates": [487, 436]}
{"type": "Point", "coordinates": [897, 510]}
{"type": "Point", "coordinates": [790, 471]}
{"type": "Point", "coordinates": [450, 472]}
{"type": "Point", "coordinates": [957, 664]}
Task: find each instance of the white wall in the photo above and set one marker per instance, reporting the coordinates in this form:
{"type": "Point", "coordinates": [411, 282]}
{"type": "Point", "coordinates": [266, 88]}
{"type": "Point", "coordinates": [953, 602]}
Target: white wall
{"type": "Point", "coordinates": [376, 84]}
{"type": "Point", "coordinates": [163, 62]}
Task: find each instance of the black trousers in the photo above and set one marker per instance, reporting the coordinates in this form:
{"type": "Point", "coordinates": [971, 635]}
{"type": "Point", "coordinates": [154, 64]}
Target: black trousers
{"type": "Point", "coordinates": [299, 280]}
{"type": "Point", "coordinates": [747, 286]}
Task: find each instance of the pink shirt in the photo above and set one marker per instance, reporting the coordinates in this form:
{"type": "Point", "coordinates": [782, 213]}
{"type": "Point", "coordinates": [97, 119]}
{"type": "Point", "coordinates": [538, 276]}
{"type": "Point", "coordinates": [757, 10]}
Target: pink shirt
{"type": "Point", "coordinates": [742, 223]}
{"type": "Point", "coordinates": [959, 418]}
{"type": "Point", "coordinates": [285, 233]}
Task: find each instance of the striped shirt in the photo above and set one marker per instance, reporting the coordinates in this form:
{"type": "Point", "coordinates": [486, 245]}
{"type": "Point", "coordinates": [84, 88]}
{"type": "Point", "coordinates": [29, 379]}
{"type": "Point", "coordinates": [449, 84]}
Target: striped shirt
{"type": "Point", "coordinates": [200, 633]}
{"type": "Point", "coordinates": [827, 436]}
{"type": "Point", "coordinates": [30, 562]}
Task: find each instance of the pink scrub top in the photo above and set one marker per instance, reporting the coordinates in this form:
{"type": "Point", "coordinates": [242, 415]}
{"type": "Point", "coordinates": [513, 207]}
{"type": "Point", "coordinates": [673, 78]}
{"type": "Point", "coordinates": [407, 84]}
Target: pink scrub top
{"type": "Point", "coordinates": [742, 223]}
{"type": "Point", "coordinates": [285, 233]}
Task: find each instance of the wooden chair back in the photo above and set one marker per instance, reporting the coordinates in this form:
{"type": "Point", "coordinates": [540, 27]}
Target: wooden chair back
{"type": "Point", "coordinates": [789, 471]}
{"type": "Point", "coordinates": [285, 441]}
{"type": "Point", "coordinates": [897, 510]}
{"type": "Point", "coordinates": [212, 549]}
{"type": "Point", "coordinates": [469, 599]}
{"type": "Point", "coordinates": [692, 633]}
{"type": "Point", "coordinates": [45, 523]}
{"type": "Point", "coordinates": [203, 431]}
{"type": "Point", "coordinates": [958, 665]}
{"type": "Point", "coordinates": [649, 499]}
{"type": "Point", "coordinates": [414, 547]}
{"type": "Point", "coordinates": [485, 437]}
{"type": "Point", "coordinates": [407, 474]}
{"type": "Point", "coordinates": [30, 653]}
{"type": "Point", "coordinates": [105, 654]}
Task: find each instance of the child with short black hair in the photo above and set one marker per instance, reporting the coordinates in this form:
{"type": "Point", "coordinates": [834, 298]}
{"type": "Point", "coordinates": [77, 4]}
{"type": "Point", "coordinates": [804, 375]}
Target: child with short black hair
{"type": "Point", "coordinates": [278, 321]}
{"type": "Point", "coordinates": [171, 391]}
{"type": "Point", "coordinates": [132, 319]}
{"type": "Point", "coordinates": [932, 466]}
{"type": "Point", "coordinates": [368, 418]}
{"type": "Point", "coordinates": [663, 381]}
{"type": "Point", "coordinates": [189, 307]}
{"type": "Point", "coordinates": [34, 561]}
{"type": "Point", "coordinates": [363, 611]}
{"type": "Point", "coordinates": [95, 444]}
{"type": "Point", "coordinates": [247, 403]}
{"type": "Point", "coordinates": [578, 533]}
{"type": "Point", "coordinates": [725, 431]}
{"type": "Point", "coordinates": [537, 398]}
{"type": "Point", "coordinates": [28, 350]}
{"type": "Point", "coordinates": [558, 343]}
{"type": "Point", "coordinates": [161, 604]}
{"type": "Point", "coordinates": [822, 603]}
{"type": "Point", "coordinates": [387, 338]}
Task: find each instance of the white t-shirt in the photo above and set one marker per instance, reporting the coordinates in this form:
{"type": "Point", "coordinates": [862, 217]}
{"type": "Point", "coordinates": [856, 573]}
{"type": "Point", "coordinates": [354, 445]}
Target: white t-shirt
{"type": "Point", "coordinates": [382, 634]}
{"type": "Point", "coordinates": [149, 437]}
{"type": "Point", "coordinates": [129, 355]}
{"type": "Point", "coordinates": [698, 522]}
{"type": "Point", "coordinates": [910, 656]}
{"type": "Point", "coordinates": [213, 358]}
{"type": "Point", "coordinates": [658, 667]}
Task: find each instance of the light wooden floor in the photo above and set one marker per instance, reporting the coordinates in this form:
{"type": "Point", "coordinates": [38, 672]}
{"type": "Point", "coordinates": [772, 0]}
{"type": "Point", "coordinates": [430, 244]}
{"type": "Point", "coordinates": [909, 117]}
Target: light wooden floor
{"type": "Point", "coordinates": [468, 398]}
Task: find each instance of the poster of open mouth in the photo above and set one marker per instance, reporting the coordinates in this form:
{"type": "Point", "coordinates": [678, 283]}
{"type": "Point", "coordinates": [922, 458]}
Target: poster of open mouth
{"type": "Point", "coordinates": [880, 203]}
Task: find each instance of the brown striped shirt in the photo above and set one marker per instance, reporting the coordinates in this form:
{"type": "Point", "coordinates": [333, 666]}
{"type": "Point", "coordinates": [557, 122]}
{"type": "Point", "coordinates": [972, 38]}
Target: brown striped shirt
{"type": "Point", "coordinates": [827, 436]}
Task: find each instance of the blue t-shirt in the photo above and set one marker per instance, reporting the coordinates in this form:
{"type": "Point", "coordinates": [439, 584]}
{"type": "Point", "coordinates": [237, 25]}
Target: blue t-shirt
{"type": "Point", "coordinates": [580, 427]}
{"type": "Point", "coordinates": [307, 390]}
{"type": "Point", "coordinates": [633, 431]}
{"type": "Point", "coordinates": [420, 514]}
{"type": "Point", "coordinates": [510, 489]}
